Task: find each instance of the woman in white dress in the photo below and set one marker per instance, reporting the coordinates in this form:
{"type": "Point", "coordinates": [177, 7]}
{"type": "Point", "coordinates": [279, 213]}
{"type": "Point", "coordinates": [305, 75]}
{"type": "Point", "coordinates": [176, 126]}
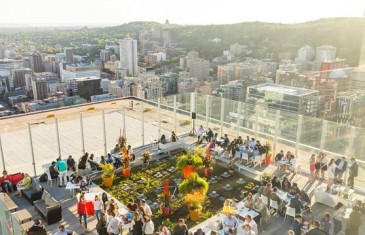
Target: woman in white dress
{"type": "Point", "coordinates": [331, 173]}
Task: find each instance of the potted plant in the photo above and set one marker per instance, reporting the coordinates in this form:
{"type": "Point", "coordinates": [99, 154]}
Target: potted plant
{"type": "Point", "coordinates": [146, 157]}
{"type": "Point", "coordinates": [194, 183]}
{"type": "Point", "coordinates": [108, 174]}
{"type": "Point", "coordinates": [267, 150]}
{"type": "Point", "coordinates": [126, 170]}
{"type": "Point", "coordinates": [194, 202]}
{"type": "Point", "coordinates": [122, 141]}
{"type": "Point", "coordinates": [190, 162]}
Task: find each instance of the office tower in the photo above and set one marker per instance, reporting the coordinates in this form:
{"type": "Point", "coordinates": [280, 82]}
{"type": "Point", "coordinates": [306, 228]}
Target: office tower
{"type": "Point", "coordinates": [40, 88]}
{"type": "Point", "coordinates": [305, 53]}
{"type": "Point", "coordinates": [104, 56]}
{"type": "Point", "coordinates": [325, 53]}
{"type": "Point", "coordinates": [18, 77]}
{"type": "Point", "coordinates": [128, 55]}
{"type": "Point", "coordinates": [86, 87]}
{"type": "Point", "coordinates": [198, 67]}
{"type": "Point", "coordinates": [69, 54]}
{"type": "Point", "coordinates": [36, 63]}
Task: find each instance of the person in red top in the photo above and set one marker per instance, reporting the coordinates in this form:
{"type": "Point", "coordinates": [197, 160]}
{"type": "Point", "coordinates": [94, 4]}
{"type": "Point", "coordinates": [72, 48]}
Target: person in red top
{"type": "Point", "coordinates": [82, 211]}
{"type": "Point", "coordinates": [7, 185]}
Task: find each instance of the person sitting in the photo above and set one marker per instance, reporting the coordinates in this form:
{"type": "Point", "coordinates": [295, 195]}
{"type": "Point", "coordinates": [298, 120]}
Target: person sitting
{"type": "Point", "coordinates": [37, 228]}
{"type": "Point", "coordinates": [308, 215]}
{"type": "Point", "coordinates": [102, 160]}
{"type": "Point", "coordinates": [304, 197]}
{"type": "Point", "coordinates": [71, 164]}
{"type": "Point", "coordinates": [314, 228]}
{"type": "Point", "coordinates": [252, 144]}
{"type": "Point", "coordinates": [249, 202]}
{"type": "Point", "coordinates": [275, 182]}
{"type": "Point", "coordinates": [279, 156]}
{"type": "Point", "coordinates": [293, 164]}
{"type": "Point", "coordinates": [6, 182]}
{"type": "Point", "coordinates": [82, 182]}
{"type": "Point", "coordinates": [109, 159]}
{"type": "Point", "coordinates": [225, 141]}
{"type": "Point", "coordinates": [239, 141]}
{"type": "Point", "coordinates": [173, 137]}
{"type": "Point", "coordinates": [296, 204]}
{"type": "Point", "coordinates": [131, 154]}
{"type": "Point", "coordinates": [25, 183]}
{"type": "Point", "coordinates": [294, 190]}
{"type": "Point", "coordinates": [198, 232]}
{"type": "Point", "coordinates": [93, 165]}
{"type": "Point", "coordinates": [62, 231]}
{"type": "Point", "coordinates": [210, 135]}
{"type": "Point", "coordinates": [163, 139]}
{"type": "Point", "coordinates": [116, 149]}
{"type": "Point", "coordinates": [325, 222]}
{"type": "Point", "coordinates": [227, 208]}
{"type": "Point", "coordinates": [252, 223]}
{"type": "Point", "coordinates": [52, 171]}
{"type": "Point", "coordinates": [285, 185]}
{"type": "Point", "coordinates": [246, 143]}
{"type": "Point", "coordinates": [215, 137]}
{"type": "Point", "coordinates": [259, 147]}
{"type": "Point", "coordinates": [275, 197]}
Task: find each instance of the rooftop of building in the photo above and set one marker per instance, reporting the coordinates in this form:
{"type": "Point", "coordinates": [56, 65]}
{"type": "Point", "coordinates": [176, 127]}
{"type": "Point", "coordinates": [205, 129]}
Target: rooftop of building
{"type": "Point", "coordinates": [285, 90]}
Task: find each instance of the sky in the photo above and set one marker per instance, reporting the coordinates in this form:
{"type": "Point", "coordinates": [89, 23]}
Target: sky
{"type": "Point", "coordinates": [116, 12]}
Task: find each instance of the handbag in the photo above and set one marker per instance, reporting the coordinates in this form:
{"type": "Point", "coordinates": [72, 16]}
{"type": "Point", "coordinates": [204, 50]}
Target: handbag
{"type": "Point", "coordinates": [149, 227]}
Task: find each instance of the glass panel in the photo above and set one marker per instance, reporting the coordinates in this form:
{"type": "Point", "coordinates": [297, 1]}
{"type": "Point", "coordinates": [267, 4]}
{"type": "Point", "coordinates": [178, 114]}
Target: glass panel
{"type": "Point", "coordinates": [5, 219]}
{"type": "Point", "coordinates": [70, 134]}
{"type": "Point", "coordinates": [93, 132]}
{"type": "Point", "coordinates": [337, 138]}
{"type": "Point", "coordinates": [311, 132]}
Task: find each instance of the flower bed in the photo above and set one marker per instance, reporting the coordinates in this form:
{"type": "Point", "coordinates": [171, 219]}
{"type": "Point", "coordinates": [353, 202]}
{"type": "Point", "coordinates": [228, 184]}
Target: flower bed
{"type": "Point", "coordinates": [149, 183]}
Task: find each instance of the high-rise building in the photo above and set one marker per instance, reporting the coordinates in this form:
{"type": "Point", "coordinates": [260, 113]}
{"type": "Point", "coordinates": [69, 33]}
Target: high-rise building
{"type": "Point", "coordinates": [198, 67]}
{"type": "Point", "coordinates": [306, 53]}
{"type": "Point", "coordinates": [325, 53]}
{"type": "Point", "coordinates": [128, 55]}
{"type": "Point", "coordinates": [18, 77]}
{"type": "Point", "coordinates": [69, 54]}
{"type": "Point", "coordinates": [36, 63]}
{"type": "Point", "coordinates": [40, 88]}
{"type": "Point", "coordinates": [86, 87]}
{"type": "Point", "coordinates": [104, 56]}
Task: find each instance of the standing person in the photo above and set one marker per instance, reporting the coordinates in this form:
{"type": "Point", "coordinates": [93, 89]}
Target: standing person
{"type": "Point", "coordinates": [317, 165]}
{"type": "Point", "coordinates": [312, 169]}
{"type": "Point", "coordinates": [341, 166]}
{"type": "Point", "coordinates": [113, 225]}
{"type": "Point", "coordinates": [82, 211]}
{"type": "Point", "coordinates": [132, 205]}
{"type": "Point", "coordinates": [101, 225]}
{"type": "Point", "coordinates": [252, 223]}
{"type": "Point", "coordinates": [353, 172]}
{"type": "Point", "coordinates": [331, 168]}
{"type": "Point", "coordinates": [326, 222]}
{"type": "Point", "coordinates": [71, 163]}
{"type": "Point", "coordinates": [230, 222]}
{"type": "Point", "coordinates": [137, 224]}
{"type": "Point", "coordinates": [336, 219]}
{"type": "Point", "coordinates": [200, 134]}
{"type": "Point", "coordinates": [297, 224]}
{"type": "Point", "coordinates": [181, 228]}
{"type": "Point", "coordinates": [354, 222]}
{"type": "Point", "coordinates": [210, 135]}
{"type": "Point", "coordinates": [82, 163]}
{"type": "Point", "coordinates": [7, 185]}
{"type": "Point", "coordinates": [53, 172]}
{"type": "Point", "coordinates": [323, 166]}
{"type": "Point", "coordinates": [131, 154]}
{"type": "Point", "coordinates": [146, 208]}
{"type": "Point", "coordinates": [98, 207]}
{"type": "Point", "coordinates": [149, 226]}
{"type": "Point", "coordinates": [61, 167]}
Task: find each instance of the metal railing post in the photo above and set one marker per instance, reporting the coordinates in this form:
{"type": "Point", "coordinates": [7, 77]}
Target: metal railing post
{"type": "Point", "coordinates": [58, 137]}
{"type": "Point", "coordinates": [82, 133]}
{"type": "Point", "coordinates": [2, 154]}
{"type": "Point", "coordinates": [299, 132]}
{"type": "Point", "coordinates": [104, 131]}
{"type": "Point", "coordinates": [31, 148]}
{"type": "Point", "coordinates": [142, 123]}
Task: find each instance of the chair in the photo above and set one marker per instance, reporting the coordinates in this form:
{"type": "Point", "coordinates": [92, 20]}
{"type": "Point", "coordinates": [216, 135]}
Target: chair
{"type": "Point", "coordinates": [290, 211]}
{"type": "Point", "coordinates": [49, 179]}
{"type": "Point", "coordinates": [265, 200]}
{"type": "Point", "coordinates": [245, 157]}
{"type": "Point", "coordinates": [274, 205]}
{"type": "Point", "coordinates": [257, 160]}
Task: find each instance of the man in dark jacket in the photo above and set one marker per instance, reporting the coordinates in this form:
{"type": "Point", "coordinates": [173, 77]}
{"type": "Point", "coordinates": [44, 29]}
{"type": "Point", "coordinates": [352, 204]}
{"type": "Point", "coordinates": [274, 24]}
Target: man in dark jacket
{"type": "Point", "coordinates": [296, 204]}
{"type": "Point", "coordinates": [353, 171]}
{"type": "Point", "coordinates": [37, 228]}
{"type": "Point", "coordinates": [52, 171]}
{"type": "Point", "coordinates": [341, 166]}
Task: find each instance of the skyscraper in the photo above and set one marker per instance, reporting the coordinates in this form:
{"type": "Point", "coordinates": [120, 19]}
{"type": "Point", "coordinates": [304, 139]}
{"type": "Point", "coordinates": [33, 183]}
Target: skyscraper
{"type": "Point", "coordinates": [69, 54]}
{"type": "Point", "coordinates": [40, 88]}
{"type": "Point", "coordinates": [325, 53]}
{"type": "Point", "coordinates": [128, 55]}
{"type": "Point", "coordinates": [18, 76]}
{"type": "Point", "coordinates": [86, 87]}
{"type": "Point", "coordinates": [104, 56]}
{"type": "Point", "coordinates": [36, 63]}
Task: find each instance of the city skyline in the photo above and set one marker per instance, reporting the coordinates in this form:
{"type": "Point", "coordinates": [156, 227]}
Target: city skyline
{"type": "Point", "coordinates": [114, 12]}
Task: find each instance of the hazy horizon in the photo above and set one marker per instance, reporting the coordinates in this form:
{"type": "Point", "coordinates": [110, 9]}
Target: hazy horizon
{"type": "Point", "coordinates": [42, 13]}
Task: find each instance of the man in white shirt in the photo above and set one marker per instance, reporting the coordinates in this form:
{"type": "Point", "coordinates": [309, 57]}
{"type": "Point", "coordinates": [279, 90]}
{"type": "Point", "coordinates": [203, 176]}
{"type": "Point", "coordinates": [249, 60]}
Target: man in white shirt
{"type": "Point", "coordinates": [62, 231]}
{"type": "Point", "coordinates": [200, 133]}
{"type": "Point", "coordinates": [252, 223]}
{"type": "Point", "coordinates": [113, 226]}
{"type": "Point", "coordinates": [146, 208]}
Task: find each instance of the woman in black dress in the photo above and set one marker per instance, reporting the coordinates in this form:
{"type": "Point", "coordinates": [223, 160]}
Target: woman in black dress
{"type": "Point", "coordinates": [82, 163]}
{"type": "Point", "coordinates": [137, 224]}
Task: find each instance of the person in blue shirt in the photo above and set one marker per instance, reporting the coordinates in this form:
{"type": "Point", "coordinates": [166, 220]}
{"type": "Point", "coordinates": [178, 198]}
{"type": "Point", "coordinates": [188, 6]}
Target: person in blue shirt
{"type": "Point", "coordinates": [109, 159]}
{"type": "Point", "coordinates": [61, 167]}
{"type": "Point", "coordinates": [230, 222]}
{"type": "Point", "coordinates": [297, 225]}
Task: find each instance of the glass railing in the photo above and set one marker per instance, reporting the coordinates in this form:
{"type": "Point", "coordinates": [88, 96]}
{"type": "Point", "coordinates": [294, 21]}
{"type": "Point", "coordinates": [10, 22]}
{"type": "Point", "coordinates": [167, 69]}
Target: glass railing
{"type": "Point", "coordinates": [29, 141]}
{"type": "Point", "coordinates": [9, 224]}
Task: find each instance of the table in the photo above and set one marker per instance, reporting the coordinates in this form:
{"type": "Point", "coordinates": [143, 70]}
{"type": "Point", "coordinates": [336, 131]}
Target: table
{"type": "Point", "coordinates": [23, 216]}
{"type": "Point", "coordinates": [72, 187]}
{"type": "Point", "coordinates": [27, 225]}
{"type": "Point", "coordinates": [242, 211]}
{"type": "Point", "coordinates": [10, 205]}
